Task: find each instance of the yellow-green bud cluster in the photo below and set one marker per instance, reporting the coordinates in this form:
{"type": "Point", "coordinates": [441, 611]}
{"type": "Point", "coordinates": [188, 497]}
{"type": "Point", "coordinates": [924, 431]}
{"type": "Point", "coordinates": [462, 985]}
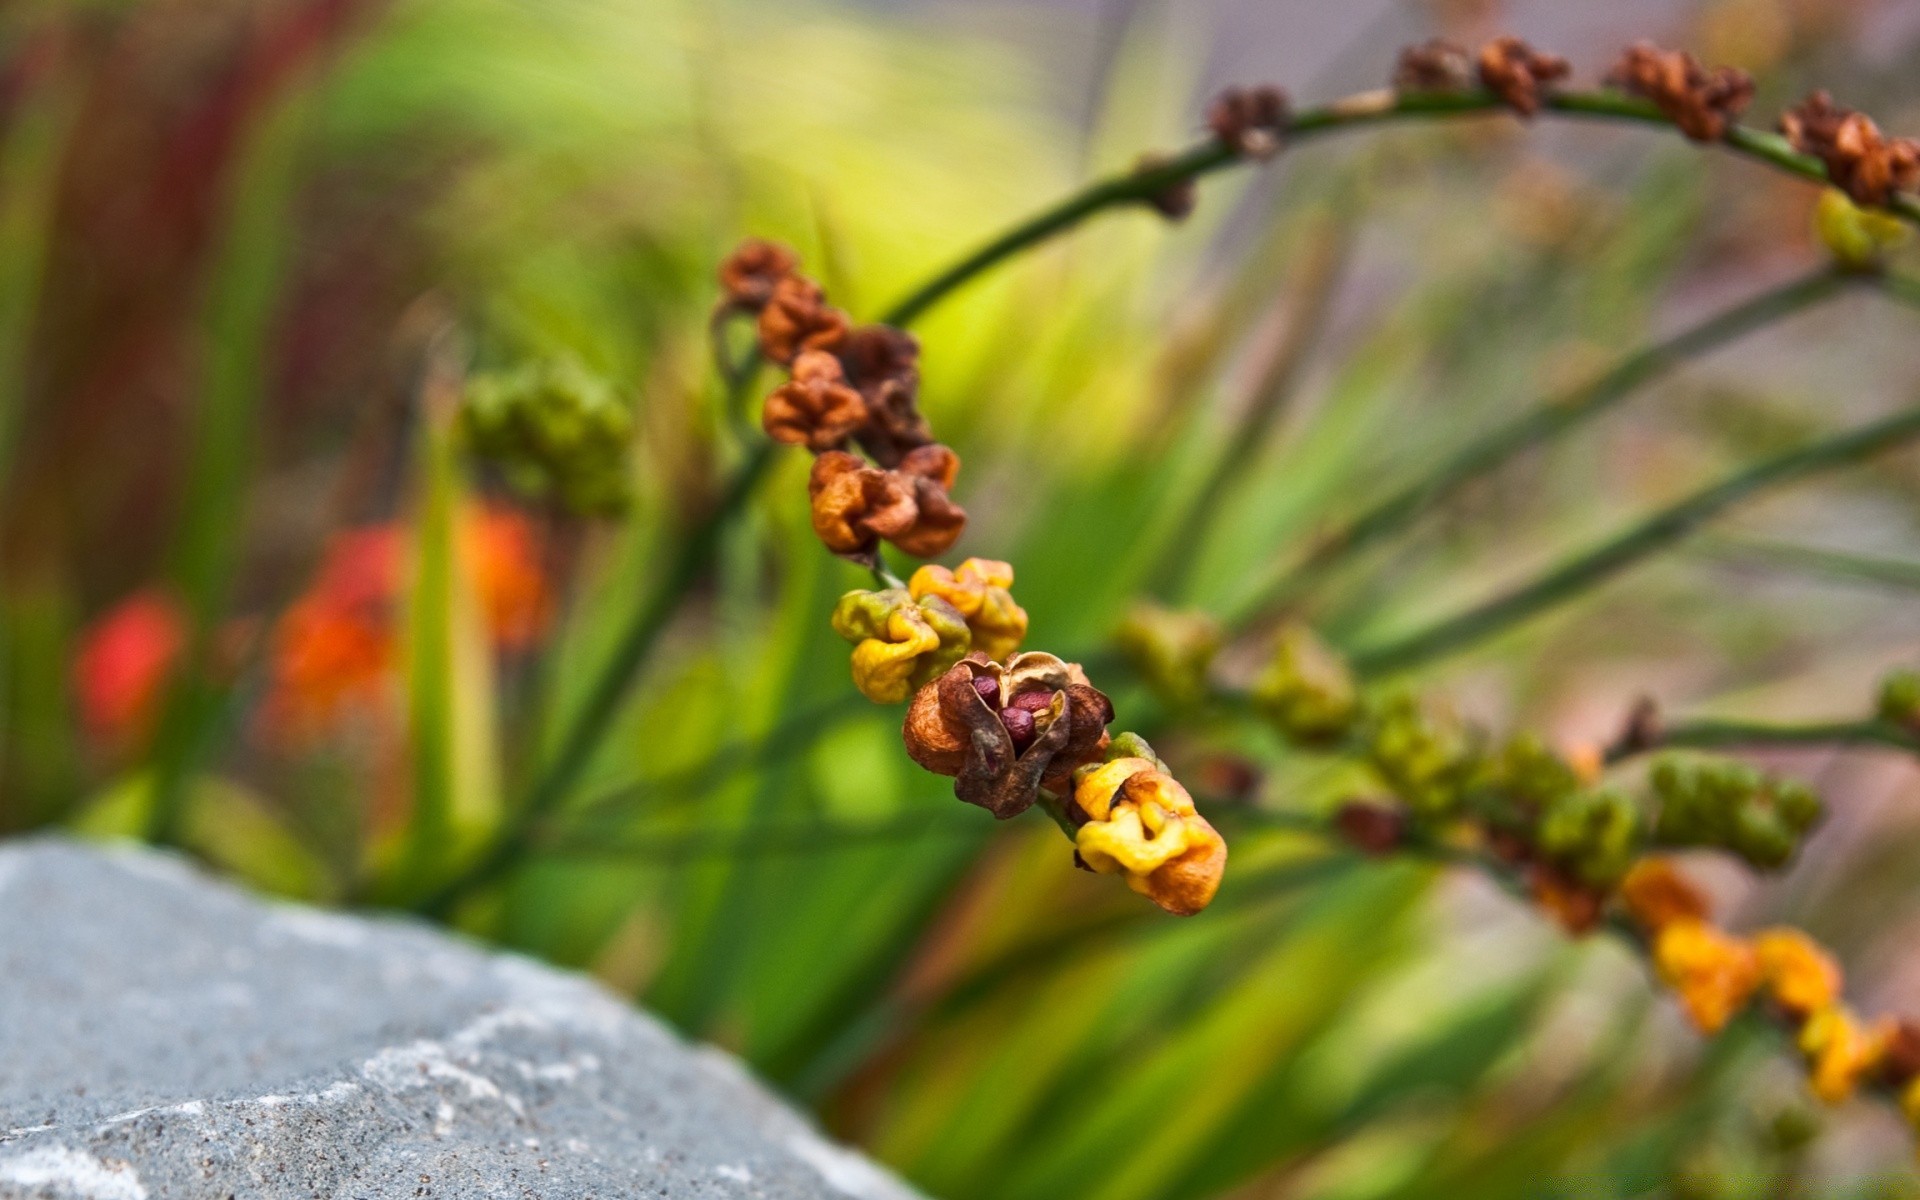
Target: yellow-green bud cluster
{"type": "Point", "coordinates": [1307, 691]}
{"type": "Point", "coordinates": [1428, 761]}
{"type": "Point", "coordinates": [555, 431]}
{"type": "Point", "coordinates": [1732, 806]}
{"type": "Point", "coordinates": [1595, 833]}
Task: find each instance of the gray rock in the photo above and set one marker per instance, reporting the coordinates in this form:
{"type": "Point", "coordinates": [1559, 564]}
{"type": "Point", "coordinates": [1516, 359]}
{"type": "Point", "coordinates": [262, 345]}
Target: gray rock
{"type": "Point", "coordinates": [166, 1035]}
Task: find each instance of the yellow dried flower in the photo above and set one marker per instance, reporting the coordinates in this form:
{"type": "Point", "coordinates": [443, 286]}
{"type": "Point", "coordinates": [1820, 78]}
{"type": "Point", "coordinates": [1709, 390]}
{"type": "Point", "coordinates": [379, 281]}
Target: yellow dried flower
{"type": "Point", "coordinates": [900, 642]}
{"type": "Point", "coordinates": [1802, 977]}
{"type": "Point", "coordinates": [1857, 237]}
{"type": "Point", "coordinates": [1147, 830]}
{"type": "Point", "coordinates": [979, 590]}
{"type": "Point", "coordinates": [1840, 1051]}
{"type": "Point", "coordinates": [1713, 973]}
{"type": "Point", "coordinates": [1657, 895]}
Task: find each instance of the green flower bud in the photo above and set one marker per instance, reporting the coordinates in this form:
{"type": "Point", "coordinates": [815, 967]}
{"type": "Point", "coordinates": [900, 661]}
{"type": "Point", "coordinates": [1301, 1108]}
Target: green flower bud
{"type": "Point", "coordinates": [1307, 691]}
{"type": "Point", "coordinates": [1172, 650]}
{"type": "Point", "coordinates": [1132, 745]}
{"type": "Point", "coordinates": [1597, 834]}
{"type": "Point", "coordinates": [554, 431]}
{"type": "Point", "coordinates": [1427, 761]}
{"type": "Point", "coordinates": [1900, 698]}
{"type": "Point", "coordinates": [1730, 805]}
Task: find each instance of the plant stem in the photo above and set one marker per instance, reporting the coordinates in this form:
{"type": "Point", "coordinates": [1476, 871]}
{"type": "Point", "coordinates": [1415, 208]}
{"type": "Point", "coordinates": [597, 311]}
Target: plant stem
{"type": "Point", "coordinates": [1577, 574]}
{"type": "Point", "coordinates": [596, 713]}
{"type": "Point", "coordinates": [1354, 112]}
{"type": "Point", "coordinates": [1546, 422]}
{"type": "Point", "coordinates": [1843, 565]}
{"type": "Point", "coordinates": [1712, 733]}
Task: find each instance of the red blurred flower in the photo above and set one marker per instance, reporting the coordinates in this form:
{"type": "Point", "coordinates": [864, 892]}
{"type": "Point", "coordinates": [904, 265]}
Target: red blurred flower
{"type": "Point", "coordinates": [335, 647]}
{"type": "Point", "coordinates": [123, 662]}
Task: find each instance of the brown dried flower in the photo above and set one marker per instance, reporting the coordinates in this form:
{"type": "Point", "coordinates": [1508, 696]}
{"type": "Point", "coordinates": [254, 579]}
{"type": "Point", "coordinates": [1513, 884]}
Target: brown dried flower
{"type": "Point", "coordinates": [1249, 121]}
{"type": "Point", "coordinates": [855, 505]}
{"type": "Point", "coordinates": [1175, 201]}
{"type": "Point", "coordinates": [1434, 66]}
{"type": "Point", "coordinates": [1517, 73]}
{"type": "Point", "coordinates": [884, 364]}
{"type": "Point", "coordinates": [1861, 161]}
{"type": "Point", "coordinates": [797, 317]}
{"type": "Point", "coordinates": [1702, 103]}
{"type": "Point", "coordinates": [816, 408]}
{"type": "Point", "coordinates": [1371, 826]}
{"type": "Point", "coordinates": [748, 275]}
{"type": "Point", "coordinates": [1005, 731]}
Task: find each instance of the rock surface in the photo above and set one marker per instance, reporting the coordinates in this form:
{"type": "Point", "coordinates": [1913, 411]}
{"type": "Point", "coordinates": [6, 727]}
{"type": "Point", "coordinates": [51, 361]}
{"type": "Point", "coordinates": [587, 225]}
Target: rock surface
{"type": "Point", "coordinates": [165, 1035]}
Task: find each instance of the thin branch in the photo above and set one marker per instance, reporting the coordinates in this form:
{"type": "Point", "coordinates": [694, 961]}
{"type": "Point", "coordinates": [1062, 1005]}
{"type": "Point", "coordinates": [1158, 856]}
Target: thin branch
{"type": "Point", "coordinates": [1583, 571]}
{"type": "Point", "coordinates": [1844, 565]}
{"type": "Point", "coordinates": [1711, 733]}
{"type": "Point", "coordinates": [1354, 112]}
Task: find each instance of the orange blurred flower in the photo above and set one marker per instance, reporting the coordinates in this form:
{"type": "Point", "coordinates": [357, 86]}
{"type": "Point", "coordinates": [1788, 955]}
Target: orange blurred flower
{"type": "Point", "coordinates": [1714, 973]}
{"type": "Point", "coordinates": [123, 661]}
{"type": "Point", "coordinates": [1657, 895]}
{"type": "Point", "coordinates": [1802, 977]}
{"type": "Point", "coordinates": [334, 648]}
{"type": "Point", "coordinates": [503, 552]}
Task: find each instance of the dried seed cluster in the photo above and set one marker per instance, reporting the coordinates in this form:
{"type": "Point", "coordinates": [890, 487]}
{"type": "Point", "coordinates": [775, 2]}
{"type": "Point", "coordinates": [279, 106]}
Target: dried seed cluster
{"type": "Point", "coordinates": [1011, 728]}
{"type": "Point", "coordinates": [846, 385]}
{"type": "Point", "coordinates": [1703, 102]}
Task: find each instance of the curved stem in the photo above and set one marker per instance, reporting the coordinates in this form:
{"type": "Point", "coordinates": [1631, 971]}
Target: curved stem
{"type": "Point", "coordinates": [1546, 422]}
{"type": "Point", "coordinates": [1707, 733]}
{"type": "Point", "coordinates": [1353, 112]}
{"type": "Point", "coordinates": [1577, 574]}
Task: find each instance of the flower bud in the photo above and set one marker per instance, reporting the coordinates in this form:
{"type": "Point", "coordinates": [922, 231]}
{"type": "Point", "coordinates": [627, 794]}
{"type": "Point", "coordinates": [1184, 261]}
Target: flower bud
{"type": "Point", "coordinates": [554, 431]}
{"type": "Point", "coordinates": [1172, 650]}
{"type": "Point", "coordinates": [900, 643]}
{"type": "Point", "coordinates": [1427, 760]}
{"type": "Point", "coordinates": [1307, 692]}
{"type": "Point", "coordinates": [1594, 834]}
{"type": "Point", "coordinates": [1899, 701]}
{"type": "Point", "coordinates": [1731, 806]}
{"type": "Point", "coordinates": [1519, 74]}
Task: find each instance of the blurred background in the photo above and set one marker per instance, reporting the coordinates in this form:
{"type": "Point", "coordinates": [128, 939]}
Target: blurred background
{"type": "Point", "coordinates": [270, 589]}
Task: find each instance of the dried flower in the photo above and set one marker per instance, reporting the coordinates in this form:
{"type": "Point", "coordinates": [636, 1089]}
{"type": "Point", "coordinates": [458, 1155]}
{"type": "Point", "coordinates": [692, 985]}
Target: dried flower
{"type": "Point", "coordinates": [1714, 973]}
{"type": "Point", "coordinates": [1860, 160]}
{"type": "Point", "coordinates": [749, 274]}
{"type": "Point", "coordinates": [1574, 905]}
{"type": "Point", "coordinates": [883, 364]}
{"type": "Point", "coordinates": [855, 505]}
{"type": "Point", "coordinates": [1176, 200]}
{"type": "Point", "coordinates": [1801, 977]}
{"type": "Point", "coordinates": [901, 642]}
{"type": "Point", "coordinates": [1307, 691]}
{"type": "Point", "coordinates": [1518, 74]}
{"type": "Point", "coordinates": [1249, 121]}
{"type": "Point", "coordinates": [978, 589]}
{"type": "Point", "coordinates": [1657, 895]}
{"type": "Point", "coordinates": [1172, 649]}
{"type": "Point", "coordinates": [797, 317]}
{"type": "Point", "coordinates": [1901, 1062]}
{"type": "Point", "coordinates": [1841, 1051]}
{"type": "Point", "coordinates": [1142, 824]}
{"type": "Point", "coordinates": [122, 664]}
{"type": "Point", "coordinates": [815, 408]}
{"type": "Point", "coordinates": [1702, 103]}
{"type": "Point", "coordinates": [1005, 731]}
{"type": "Point", "coordinates": [1858, 238]}
{"type": "Point", "coordinates": [1434, 66]}
{"type": "Point", "coordinates": [1371, 826]}
{"type": "Point", "coordinates": [503, 552]}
